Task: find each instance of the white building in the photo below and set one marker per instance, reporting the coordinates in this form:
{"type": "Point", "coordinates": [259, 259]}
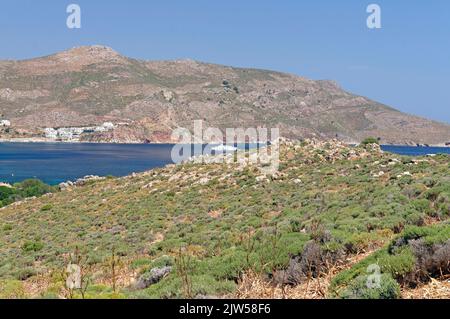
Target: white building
{"type": "Point", "coordinates": [51, 133]}
{"type": "Point", "coordinates": [5, 123]}
{"type": "Point", "coordinates": [107, 126]}
{"type": "Point", "coordinates": [65, 134]}
{"type": "Point", "coordinates": [74, 133]}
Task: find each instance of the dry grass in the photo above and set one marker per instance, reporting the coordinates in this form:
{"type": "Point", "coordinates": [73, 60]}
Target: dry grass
{"type": "Point", "coordinates": [255, 286]}
{"type": "Point", "coordinates": [435, 289]}
{"type": "Point", "coordinates": [35, 286]}
{"type": "Point", "coordinates": [125, 275]}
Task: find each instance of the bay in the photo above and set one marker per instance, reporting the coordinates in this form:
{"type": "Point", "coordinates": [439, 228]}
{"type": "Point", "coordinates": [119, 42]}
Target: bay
{"type": "Point", "coordinates": [54, 163]}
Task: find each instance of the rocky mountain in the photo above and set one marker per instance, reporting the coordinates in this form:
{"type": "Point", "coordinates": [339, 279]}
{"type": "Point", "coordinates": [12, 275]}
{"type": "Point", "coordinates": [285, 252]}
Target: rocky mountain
{"type": "Point", "coordinates": [77, 94]}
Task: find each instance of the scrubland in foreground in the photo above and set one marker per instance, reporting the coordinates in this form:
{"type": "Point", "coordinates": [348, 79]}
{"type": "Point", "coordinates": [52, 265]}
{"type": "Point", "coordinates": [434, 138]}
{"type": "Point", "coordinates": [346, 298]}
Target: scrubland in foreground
{"type": "Point", "coordinates": [332, 218]}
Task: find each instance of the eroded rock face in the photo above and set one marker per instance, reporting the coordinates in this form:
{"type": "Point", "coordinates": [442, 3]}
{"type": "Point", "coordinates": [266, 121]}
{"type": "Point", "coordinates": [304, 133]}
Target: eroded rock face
{"type": "Point", "coordinates": [88, 86]}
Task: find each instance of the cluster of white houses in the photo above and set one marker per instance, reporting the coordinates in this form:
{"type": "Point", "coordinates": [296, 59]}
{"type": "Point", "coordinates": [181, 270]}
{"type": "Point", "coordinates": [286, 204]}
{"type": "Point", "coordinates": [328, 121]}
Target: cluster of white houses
{"type": "Point", "coordinates": [74, 133]}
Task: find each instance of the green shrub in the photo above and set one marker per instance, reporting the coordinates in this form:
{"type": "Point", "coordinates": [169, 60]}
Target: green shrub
{"type": "Point", "coordinates": [25, 189]}
{"type": "Point", "coordinates": [421, 205]}
{"type": "Point", "coordinates": [6, 192]}
{"type": "Point", "coordinates": [99, 292]}
{"type": "Point", "coordinates": [230, 265]}
{"type": "Point", "coordinates": [46, 207]}
{"type": "Point", "coordinates": [399, 264]}
{"type": "Point", "coordinates": [400, 260]}
{"type": "Point", "coordinates": [370, 140]}
{"type": "Point", "coordinates": [172, 287]}
{"type": "Point", "coordinates": [162, 261]}
{"type": "Point", "coordinates": [147, 264]}
{"type": "Point", "coordinates": [7, 227]}
{"type": "Point", "coordinates": [363, 287]}
{"type": "Point", "coordinates": [140, 262]}
{"type": "Point", "coordinates": [30, 246]}
{"type": "Point", "coordinates": [436, 234]}
{"type": "Point", "coordinates": [33, 187]}
{"type": "Point", "coordinates": [24, 274]}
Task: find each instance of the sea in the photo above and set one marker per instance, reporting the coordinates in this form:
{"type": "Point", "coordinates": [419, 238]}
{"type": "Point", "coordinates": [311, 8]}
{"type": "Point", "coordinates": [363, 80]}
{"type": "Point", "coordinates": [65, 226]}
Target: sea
{"type": "Point", "coordinates": [54, 163]}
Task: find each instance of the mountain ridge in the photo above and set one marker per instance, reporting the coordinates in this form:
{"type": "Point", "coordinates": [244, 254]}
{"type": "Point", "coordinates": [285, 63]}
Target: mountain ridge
{"type": "Point", "coordinates": [86, 86]}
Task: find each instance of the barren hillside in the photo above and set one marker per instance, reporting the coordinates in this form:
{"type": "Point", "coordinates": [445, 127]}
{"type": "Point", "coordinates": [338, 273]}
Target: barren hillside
{"type": "Point", "coordinates": [145, 100]}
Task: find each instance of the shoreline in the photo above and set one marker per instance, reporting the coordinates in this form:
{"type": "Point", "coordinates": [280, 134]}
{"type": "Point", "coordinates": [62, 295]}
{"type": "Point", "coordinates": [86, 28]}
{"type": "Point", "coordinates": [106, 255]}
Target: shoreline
{"type": "Point", "coordinates": [46, 141]}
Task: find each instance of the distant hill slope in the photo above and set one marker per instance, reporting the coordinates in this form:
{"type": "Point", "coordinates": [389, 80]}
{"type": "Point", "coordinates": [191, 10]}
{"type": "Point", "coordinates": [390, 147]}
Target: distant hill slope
{"type": "Point", "coordinates": [88, 86]}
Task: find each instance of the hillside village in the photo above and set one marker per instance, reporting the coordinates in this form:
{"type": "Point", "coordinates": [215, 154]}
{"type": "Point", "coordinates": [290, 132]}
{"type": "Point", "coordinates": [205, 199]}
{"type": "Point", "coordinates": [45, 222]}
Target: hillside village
{"type": "Point", "coordinates": [73, 134]}
{"type": "Point", "coordinates": [61, 134]}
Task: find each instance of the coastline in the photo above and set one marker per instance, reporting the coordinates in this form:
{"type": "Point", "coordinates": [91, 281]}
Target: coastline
{"type": "Point", "coordinates": [48, 141]}
{"type": "Point", "coordinates": [402, 150]}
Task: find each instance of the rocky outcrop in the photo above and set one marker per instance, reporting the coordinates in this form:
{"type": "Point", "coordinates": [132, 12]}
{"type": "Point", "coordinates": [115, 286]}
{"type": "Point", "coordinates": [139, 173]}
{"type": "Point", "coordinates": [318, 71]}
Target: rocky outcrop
{"type": "Point", "coordinates": [80, 182]}
{"type": "Point", "coordinates": [152, 277]}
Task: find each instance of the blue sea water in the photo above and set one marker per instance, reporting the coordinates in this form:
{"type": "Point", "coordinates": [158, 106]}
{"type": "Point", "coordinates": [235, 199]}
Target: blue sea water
{"type": "Point", "coordinates": [54, 163]}
{"type": "Point", "coordinates": [415, 150]}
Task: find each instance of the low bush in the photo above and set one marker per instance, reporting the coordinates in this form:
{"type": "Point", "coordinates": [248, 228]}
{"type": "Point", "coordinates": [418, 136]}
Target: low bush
{"type": "Point", "coordinates": [172, 287]}
{"type": "Point", "coordinates": [415, 256]}
{"type": "Point", "coordinates": [364, 287]}
{"type": "Point", "coordinates": [25, 189]}
{"type": "Point", "coordinates": [370, 140]}
{"type": "Point", "coordinates": [32, 246]}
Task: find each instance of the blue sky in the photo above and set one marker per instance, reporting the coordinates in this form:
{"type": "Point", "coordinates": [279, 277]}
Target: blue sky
{"type": "Point", "coordinates": [406, 64]}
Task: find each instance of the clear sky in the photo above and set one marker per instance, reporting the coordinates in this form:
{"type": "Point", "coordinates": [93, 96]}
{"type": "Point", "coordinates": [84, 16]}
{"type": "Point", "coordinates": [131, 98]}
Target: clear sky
{"type": "Point", "coordinates": [405, 64]}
